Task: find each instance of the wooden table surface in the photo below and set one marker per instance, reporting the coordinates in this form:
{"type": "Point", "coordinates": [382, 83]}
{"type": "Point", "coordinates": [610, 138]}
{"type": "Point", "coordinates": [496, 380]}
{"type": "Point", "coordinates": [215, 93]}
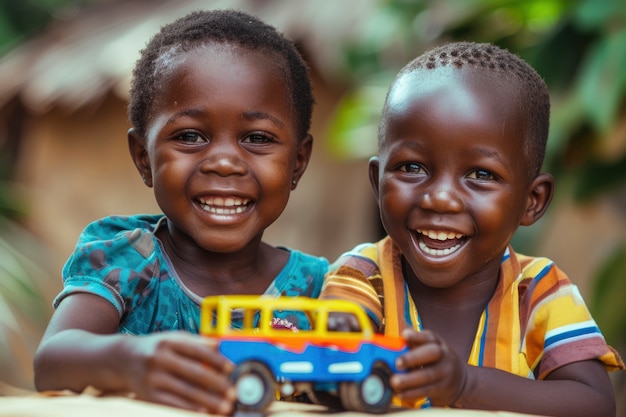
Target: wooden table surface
{"type": "Point", "coordinates": [93, 406]}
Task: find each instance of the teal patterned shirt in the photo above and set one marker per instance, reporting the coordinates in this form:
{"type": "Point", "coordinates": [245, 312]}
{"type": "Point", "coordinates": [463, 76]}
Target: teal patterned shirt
{"type": "Point", "coordinates": [120, 259]}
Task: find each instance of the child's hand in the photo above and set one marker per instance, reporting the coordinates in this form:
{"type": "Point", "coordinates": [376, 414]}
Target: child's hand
{"type": "Point", "coordinates": [182, 370]}
{"type": "Point", "coordinates": [433, 370]}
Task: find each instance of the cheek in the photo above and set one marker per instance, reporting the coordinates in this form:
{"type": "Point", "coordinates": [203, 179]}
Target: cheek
{"type": "Point", "coordinates": [275, 178]}
{"type": "Point", "coordinates": [171, 176]}
{"type": "Point", "coordinates": [168, 171]}
{"type": "Point", "coordinates": [396, 201]}
{"type": "Point", "coordinates": [499, 214]}
{"type": "Point", "coordinates": [276, 189]}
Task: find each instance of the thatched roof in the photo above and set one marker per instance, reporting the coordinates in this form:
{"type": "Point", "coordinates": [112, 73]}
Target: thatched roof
{"type": "Point", "coordinates": [79, 60]}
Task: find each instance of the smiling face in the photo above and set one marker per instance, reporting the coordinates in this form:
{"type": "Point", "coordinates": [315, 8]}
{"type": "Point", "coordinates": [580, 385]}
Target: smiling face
{"type": "Point", "coordinates": [452, 176]}
{"type": "Point", "coordinates": [221, 149]}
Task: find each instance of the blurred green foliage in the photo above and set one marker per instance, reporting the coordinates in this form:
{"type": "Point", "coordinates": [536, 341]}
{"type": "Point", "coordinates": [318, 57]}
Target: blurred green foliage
{"type": "Point", "coordinates": [20, 19]}
{"type": "Point", "coordinates": [579, 48]}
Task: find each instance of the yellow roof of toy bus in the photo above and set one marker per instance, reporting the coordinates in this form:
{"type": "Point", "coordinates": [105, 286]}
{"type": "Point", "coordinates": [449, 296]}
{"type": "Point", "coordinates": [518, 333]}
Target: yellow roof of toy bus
{"type": "Point", "coordinates": [223, 305]}
{"type": "Point", "coordinates": [299, 303]}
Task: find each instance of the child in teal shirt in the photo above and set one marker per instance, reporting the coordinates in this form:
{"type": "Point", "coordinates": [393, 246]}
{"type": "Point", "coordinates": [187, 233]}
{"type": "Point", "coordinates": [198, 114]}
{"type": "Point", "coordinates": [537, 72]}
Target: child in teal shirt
{"type": "Point", "coordinates": [220, 106]}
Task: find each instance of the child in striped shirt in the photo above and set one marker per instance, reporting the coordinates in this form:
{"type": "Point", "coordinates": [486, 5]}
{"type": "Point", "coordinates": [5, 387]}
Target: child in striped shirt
{"type": "Point", "coordinates": [461, 145]}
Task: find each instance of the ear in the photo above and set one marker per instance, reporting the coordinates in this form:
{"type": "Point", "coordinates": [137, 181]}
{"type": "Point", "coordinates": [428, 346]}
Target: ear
{"type": "Point", "coordinates": [374, 173]}
{"type": "Point", "coordinates": [538, 199]}
{"type": "Point", "coordinates": [305, 148]}
{"type": "Point", "coordinates": [139, 153]}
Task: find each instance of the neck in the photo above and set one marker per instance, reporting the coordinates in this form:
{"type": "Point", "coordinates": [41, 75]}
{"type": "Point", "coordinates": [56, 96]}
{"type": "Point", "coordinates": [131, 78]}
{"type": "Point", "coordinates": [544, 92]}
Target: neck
{"type": "Point", "coordinates": [453, 312]}
{"type": "Point", "coordinates": [473, 292]}
{"type": "Point", "coordinates": [247, 271]}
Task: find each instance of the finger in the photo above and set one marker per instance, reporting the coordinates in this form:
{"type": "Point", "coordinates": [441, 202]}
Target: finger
{"type": "Point", "coordinates": [420, 382]}
{"type": "Point", "coordinates": [178, 393]}
{"type": "Point", "coordinates": [436, 389]}
{"type": "Point", "coordinates": [420, 356]}
{"type": "Point", "coordinates": [199, 373]}
{"type": "Point", "coordinates": [205, 350]}
{"type": "Point", "coordinates": [430, 374]}
{"type": "Point", "coordinates": [415, 338]}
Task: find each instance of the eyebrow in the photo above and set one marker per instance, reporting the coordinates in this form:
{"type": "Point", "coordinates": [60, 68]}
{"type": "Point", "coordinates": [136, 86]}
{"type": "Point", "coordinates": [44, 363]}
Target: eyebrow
{"type": "Point", "coordinates": [256, 115]}
{"type": "Point", "coordinates": [251, 115]}
{"type": "Point", "coordinates": [187, 112]}
{"type": "Point", "coordinates": [489, 153]}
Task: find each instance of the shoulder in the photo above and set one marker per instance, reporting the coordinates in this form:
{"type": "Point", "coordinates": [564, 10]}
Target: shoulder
{"type": "Point", "coordinates": [555, 321]}
{"type": "Point", "coordinates": [540, 277]}
{"type": "Point", "coordinates": [303, 275]}
{"type": "Point", "coordinates": [113, 226]}
{"type": "Point", "coordinates": [356, 276]}
{"type": "Point", "coordinates": [542, 285]}
{"type": "Point", "coordinates": [308, 262]}
{"type": "Point", "coordinates": [116, 258]}
{"type": "Point", "coordinates": [363, 258]}
{"type": "Point", "coordinates": [115, 239]}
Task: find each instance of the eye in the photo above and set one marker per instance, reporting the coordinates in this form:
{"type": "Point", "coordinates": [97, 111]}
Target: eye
{"type": "Point", "coordinates": [258, 138]}
{"type": "Point", "coordinates": [190, 137]}
{"type": "Point", "coordinates": [412, 168]}
{"type": "Point", "coordinates": [482, 175]}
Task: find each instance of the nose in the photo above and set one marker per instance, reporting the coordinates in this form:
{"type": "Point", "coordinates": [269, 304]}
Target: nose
{"type": "Point", "coordinates": [441, 197]}
{"type": "Point", "coordinates": [224, 160]}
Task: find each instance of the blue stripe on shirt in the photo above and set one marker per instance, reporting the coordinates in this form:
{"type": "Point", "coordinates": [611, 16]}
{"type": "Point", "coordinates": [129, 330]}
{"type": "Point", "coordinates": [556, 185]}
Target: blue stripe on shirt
{"type": "Point", "coordinates": [570, 334]}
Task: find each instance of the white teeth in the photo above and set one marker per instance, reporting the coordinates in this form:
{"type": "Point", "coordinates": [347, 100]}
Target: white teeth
{"type": "Point", "coordinates": [438, 252]}
{"type": "Point", "coordinates": [220, 210]}
{"type": "Point", "coordinates": [224, 206]}
{"type": "Point", "coordinates": [440, 235]}
{"type": "Point", "coordinates": [226, 202]}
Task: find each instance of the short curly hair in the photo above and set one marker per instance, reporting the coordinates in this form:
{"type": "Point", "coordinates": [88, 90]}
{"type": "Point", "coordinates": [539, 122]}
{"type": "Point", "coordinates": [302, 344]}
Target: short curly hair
{"type": "Point", "coordinates": [534, 98]}
{"type": "Point", "coordinates": [217, 26]}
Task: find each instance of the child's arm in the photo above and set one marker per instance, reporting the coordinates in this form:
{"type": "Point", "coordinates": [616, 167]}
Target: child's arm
{"type": "Point", "coordinates": [81, 348]}
{"type": "Point", "coordinates": [577, 389]}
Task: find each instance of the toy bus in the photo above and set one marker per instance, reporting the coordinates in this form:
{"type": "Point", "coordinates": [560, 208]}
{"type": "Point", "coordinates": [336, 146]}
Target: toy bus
{"type": "Point", "coordinates": [274, 357]}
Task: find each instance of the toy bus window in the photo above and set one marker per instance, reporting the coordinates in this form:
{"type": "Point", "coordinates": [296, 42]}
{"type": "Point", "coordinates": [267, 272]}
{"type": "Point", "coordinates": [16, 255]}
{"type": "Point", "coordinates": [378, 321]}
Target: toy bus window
{"type": "Point", "coordinates": [250, 318]}
{"type": "Point", "coordinates": [211, 317]}
{"type": "Point", "coordinates": [290, 320]}
{"type": "Point", "coordinates": [343, 322]}
{"type": "Point", "coordinates": [244, 319]}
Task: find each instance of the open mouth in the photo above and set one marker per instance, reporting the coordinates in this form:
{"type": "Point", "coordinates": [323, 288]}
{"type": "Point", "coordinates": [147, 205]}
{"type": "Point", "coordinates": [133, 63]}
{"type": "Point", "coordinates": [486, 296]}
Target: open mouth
{"type": "Point", "coordinates": [439, 243]}
{"type": "Point", "coordinates": [225, 206]}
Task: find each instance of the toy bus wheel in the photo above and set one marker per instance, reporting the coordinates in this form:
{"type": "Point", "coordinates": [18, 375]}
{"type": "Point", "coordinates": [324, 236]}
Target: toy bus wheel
{"type": "Point", "coordinates": [254, 385]}
{"type": "Point", "coordinates": [371, 395]}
